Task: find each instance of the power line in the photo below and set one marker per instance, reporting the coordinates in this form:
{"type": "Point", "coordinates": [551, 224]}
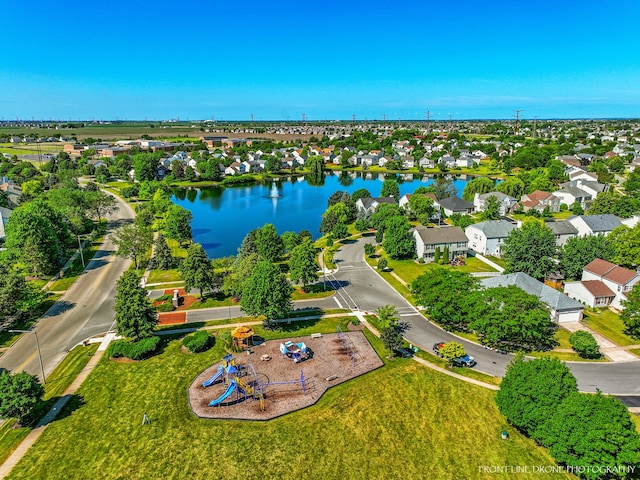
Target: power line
{"type": "Point", "coordinates": [517, 115]}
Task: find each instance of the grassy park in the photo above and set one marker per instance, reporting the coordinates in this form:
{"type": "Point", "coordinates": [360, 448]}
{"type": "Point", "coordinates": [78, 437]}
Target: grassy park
{"type": "Point", "coordinates": [408, 415]}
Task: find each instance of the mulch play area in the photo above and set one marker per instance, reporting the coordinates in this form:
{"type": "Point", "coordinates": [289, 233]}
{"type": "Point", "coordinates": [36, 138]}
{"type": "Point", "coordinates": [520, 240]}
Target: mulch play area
{"type": "Point", "coordinates": [328, 363]}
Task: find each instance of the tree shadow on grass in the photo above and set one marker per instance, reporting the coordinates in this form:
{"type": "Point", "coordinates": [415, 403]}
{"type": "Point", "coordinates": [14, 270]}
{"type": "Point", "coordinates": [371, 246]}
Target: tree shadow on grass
{"type": "Point", "coordinates": [64, 405]}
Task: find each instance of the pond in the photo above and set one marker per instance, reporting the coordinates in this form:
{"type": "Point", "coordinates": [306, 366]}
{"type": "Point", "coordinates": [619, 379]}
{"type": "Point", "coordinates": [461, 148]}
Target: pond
{"type": "Point", "coordinates": [223, 216]}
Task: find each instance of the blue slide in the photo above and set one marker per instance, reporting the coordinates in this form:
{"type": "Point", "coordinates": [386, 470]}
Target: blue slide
{"type": "Point", "coordinates": [230, 389]}
{"type": "Point", "coordinates": [215, 378]}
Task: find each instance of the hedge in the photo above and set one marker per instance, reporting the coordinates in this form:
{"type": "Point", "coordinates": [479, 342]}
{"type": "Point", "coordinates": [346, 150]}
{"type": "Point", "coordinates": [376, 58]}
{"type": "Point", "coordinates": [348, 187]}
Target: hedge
{"type": "Point", "coordinates": [198, 342]}
{"type": "Point", "coordinates": [143, 348]}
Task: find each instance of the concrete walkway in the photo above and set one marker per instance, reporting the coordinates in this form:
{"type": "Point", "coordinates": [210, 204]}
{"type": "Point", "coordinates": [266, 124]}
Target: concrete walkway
{"type": "Point", "coordinates": [611, 350]}
{"type": "Point", "coordinates": [484, 259]}
{"type": "Point", "coordinates": [33, 436]}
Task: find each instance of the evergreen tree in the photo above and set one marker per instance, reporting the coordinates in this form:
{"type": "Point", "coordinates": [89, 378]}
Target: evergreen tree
{"type": "Point", "coordinates": [162, 259]}
{"type": "Point", "coordinates": [134, 317]}
{"type": "Point", "coordinates": [197, 271]}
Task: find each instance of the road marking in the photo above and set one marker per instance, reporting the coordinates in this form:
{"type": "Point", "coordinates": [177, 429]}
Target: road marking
{"type": "Point", "coordinates": [410, 315]}
{"type": "Point", "coordinates": [339, 305]}
{"type": "Point", "coordinates": [20, 368]}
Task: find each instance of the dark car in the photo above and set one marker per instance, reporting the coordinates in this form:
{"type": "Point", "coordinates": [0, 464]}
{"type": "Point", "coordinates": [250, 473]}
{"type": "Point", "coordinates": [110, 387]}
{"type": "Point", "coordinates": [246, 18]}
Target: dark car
{"type": "Point", "coordinates": [466, 361]}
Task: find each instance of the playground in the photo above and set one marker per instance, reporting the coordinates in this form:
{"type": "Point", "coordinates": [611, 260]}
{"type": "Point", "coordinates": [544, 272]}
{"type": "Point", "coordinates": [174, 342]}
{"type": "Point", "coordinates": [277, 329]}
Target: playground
{"type": "Point", "coordinates": [280, 376]}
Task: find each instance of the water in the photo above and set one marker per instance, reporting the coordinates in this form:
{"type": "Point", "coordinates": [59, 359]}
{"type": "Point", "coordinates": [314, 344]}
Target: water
{"type": "Point", "coordinates": [223, 216]}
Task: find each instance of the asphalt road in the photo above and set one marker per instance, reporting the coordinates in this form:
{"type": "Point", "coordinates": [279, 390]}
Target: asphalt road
{"type": "Point", "coordinates": [368, 291]}
{"type": "Point", "coordinates": [86, 309]}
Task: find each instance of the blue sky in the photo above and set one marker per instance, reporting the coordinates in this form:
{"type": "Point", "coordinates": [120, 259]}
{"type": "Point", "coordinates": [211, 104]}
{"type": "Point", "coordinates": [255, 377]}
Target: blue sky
{"type": "Point", "coordinates": [327, 59]}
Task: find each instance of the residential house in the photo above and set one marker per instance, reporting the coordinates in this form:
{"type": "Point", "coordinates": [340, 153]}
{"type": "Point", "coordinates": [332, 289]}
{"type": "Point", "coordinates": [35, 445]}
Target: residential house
{"type": "Point", "coordinates": [488, 237]}
{"type": "Point", "coordinates": [4, 217]}
{"type": "Point", "coordinates": [563, 231]}
{"type": "Point", "coordinates": [561, 307]}
{"type": "Point", "coordinates": [570, 195]}
{"type": "Point", "coordinates": [451, 205]}
{"type": "Point", "coordinates": [369, 205]}
{"type": "Point", "coordinates": [428, 240]}
{"type": "Point", "coordinates": [425, 162]}
{"type": "Point", "coordinates": [404, 200]}
{"type": "Point", "coordinates": [603, 284]}
{"type": "Point", "coordinates": [507, 203]}
{"type": "Point", "coordinates": [13, 191]}
{"type": "Point", "coordinates": [539, 200]}
{"type": "Point", "coordinates": [594, 224]}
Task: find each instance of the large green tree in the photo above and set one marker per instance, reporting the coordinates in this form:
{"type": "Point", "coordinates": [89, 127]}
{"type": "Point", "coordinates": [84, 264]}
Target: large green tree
{"type": "Point", "coordinates": [178, 223]}
{"type": "Point", "coordinates": [579, 251]}
{"type": "Point", "coordinates": [132, 242]}
{"type": "Point", "coordinates": [627, 245]}
{"type": "Point", "coordinates": [233, 283]}
{"type": "Point", "coordinates": [16, 295]}
{"type": "Point", "coordinates": [422, 207]}
{"type": "Point", "coordinates": [134, 317]}
{"type": "Point", "coordinates": [197, 271]}
{"type": "Point", "coordinates": [266, 292]}
{"type": "Point", "coordinates": [477, 185]}
{"type": "Point", "coordinates": [445, 293]}
{"type": "Point", "coordinates": [530, 249]}
{"type": "Point", "coordinates": [100, 204]}
{"type": "Point", "coordinates": [508, 318]}
{"type": "Point", "coordinates": [303, 265]}
{"type": "Point", "coordinates": [630, 315]}
{"type": "Point", "coordinates": [587, 430]}
{"type": "Point", "coordinates": [491, 209]}
{"type": "Point", "coordinates": [531, 391]}
{"type": "Point", "coordinates": [162, 258]}
{"type": "Point", "coordinates": [20, 394]}
{"type": "Point", "coordinates": [383, 212]}
{"type": "Point", "coordinates": [390, 188]}
{"type": "Point", "coordinates": [398, 240]}
{"type": "Point", "coordinates": [512, 186]}
{"type": "Point", "coordinates": [268, 243]}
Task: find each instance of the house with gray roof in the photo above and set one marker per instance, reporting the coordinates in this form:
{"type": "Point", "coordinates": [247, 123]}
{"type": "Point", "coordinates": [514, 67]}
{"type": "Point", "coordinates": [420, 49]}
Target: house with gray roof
{"type": "Point", "coordinates": [428, 240]}
{"type": "Point", "coordinates": [451, 205]}
{"type": "Point", "coordinates": [561, 308]}
{"type": "Point", "coordinates": [563, 231]}
{"type": "Point", "coordinates": [4, 217]}
{"type": "Point", "coordinates": [488, 237]}
{"type": "Point", "coordinates": [570, 195]}
{"type": "Point", "coordinates": [594, 224]}
{"type": "Point", "coordinates": [507, 203]}
{"type": "Point", "coordinates": [369, 205]}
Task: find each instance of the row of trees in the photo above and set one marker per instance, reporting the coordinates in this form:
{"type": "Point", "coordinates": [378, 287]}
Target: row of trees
{"type": "Point", "coordinates": [505, 318]}
{"type": "Point", "coordinates": [541, 399]}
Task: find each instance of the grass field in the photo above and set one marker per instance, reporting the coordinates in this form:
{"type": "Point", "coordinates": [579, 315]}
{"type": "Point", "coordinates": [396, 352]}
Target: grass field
{"type": "Point", "coordinates": [608, 324]}
{"type": "Point", "coordinates": [406, 415]}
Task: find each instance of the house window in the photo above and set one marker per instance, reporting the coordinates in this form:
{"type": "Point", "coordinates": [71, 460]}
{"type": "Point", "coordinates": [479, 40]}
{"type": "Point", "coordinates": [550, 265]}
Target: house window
{"type": "Point", "coordinates": [462, 244]}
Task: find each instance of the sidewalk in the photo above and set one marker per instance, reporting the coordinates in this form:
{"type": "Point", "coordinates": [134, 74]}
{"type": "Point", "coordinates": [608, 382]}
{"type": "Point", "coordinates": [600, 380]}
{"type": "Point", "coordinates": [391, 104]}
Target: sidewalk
{"type": "Point", "coordinates": [33, 436]}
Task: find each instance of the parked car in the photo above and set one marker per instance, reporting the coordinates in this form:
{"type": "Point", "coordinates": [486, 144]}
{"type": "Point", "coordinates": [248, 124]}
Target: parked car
{"type": "Point", "coordinates": [465, 361]}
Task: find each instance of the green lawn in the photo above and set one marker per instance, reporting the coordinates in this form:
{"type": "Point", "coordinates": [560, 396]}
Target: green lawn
{"type": "Point", "coordinates": [164, 276]}
{"type": "Point", "coordinates": [407, 416]}
{"type": "Point", "coordinates": [57, 382]}
{"type": "Point", "coordinates": [608, 324]}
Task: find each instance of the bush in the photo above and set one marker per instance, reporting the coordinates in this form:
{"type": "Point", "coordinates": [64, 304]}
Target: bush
{"type": "Point", "coordinates": [226, 339]}
{"type": "Point", "coordinates": [143, 348]}
{"type": "Point", "coordinates": [584, 344]}
{"type": "Point", "coordinates": [198, 342]}
{"type": "Point", "coordinates": [165, 307]}
{"type": "Point", "coordinates": [128, 192]}
{"type": "Point", "coordinates": [382, 264]}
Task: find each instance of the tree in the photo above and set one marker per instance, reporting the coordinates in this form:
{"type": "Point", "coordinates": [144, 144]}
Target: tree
{"type": "Point", "coordinates": [233, 283]}
{"type": "Point", "coordinates": [452, 350]}
{"type": "Point", "coordinates": [398, 240]}
{"type": "Point", "coordinates": [444, 293]}
{"type": "Point", "coordinates": [422, 207]}
{"type": "Point", "coordinates": [290, 240]}
{"type": "Point", "coordinates": [627, 244]}
{"type": "Point", "coordinates": [390, 188]}
{"type": "Point", "coordinates": [340, 230]}
{"type": "Point", "coordinates": [624, 206]}
{"type": "Point", "coordinates": [382, 264]}
{"type": "Point", "coordinates": [315, 165]}
{"type": "Point", "coordinates": [134, 317]}
{"type": "Point", "coordinates": [178, 223]}
{"type": "Point", "coordinates": [584, 344]}
{"type": "Point", "coordinates": [383, 212]}
{"type": "Point", "coordinates": [101, 203]}
{"type": "Point", "coordinates": [303, 265]}
{"type": "Point", "coordinates": [268, 243]}
{"type": "Point", "coordinates": [580, 251]}
{"type": "Point", "coordinates": [369, 249]}
{"type": "Point", "coordinates": [508, 318]}
{"type": "Point", "coordinates": [197, 271]}
{"type": "Point", "coordinates": [162, 260]}
{"type": "Point", "coordinates": [460, 220]}
{"type": "Point", "coordinates": [133, 242]}
{"type": "Point", "coordinates": [491, 209]}
{"type": "Point", "coordinates": [576, 208]}
{"type": "Point", "coordinates": [532, 390]}
{"type": "Point", "coordinates": [32, 241]}
{"type": "Point", "coordinates": [360, 193]}
{"type": "Point", "coordinates": [266, 292]}
{"type": "Point", "coordinates": [442, 187]}
{"type": "Point", "coordinates": [388, 316]}
{"type": "Point", "coordinates": [248, 245]}
{"type": "Point", "coordinates": [20, 394]}
{"type": "Point", "coordinates": [391, 339]}
{"type": "Point", "coordinates": [478, 185]}
{"type": "Point", "coordinates": [16, 295]}
{"type": "Point", "coordinates": [630, 315]}
{"type": "Point", "coordinates": [530, 249]}
{"type": "Point", "coordinates": [336, 213]}
{"type": "Point", "coordinates": [512, 186]}
{"type": "Point", "coordinates": [587, 430]}
{"type": "Point", "coordinates": [437, 255]}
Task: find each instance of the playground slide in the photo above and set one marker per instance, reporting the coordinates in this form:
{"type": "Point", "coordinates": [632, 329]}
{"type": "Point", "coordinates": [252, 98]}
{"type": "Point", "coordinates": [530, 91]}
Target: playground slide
{"type": "Point", "coordinates": [215, 378]}
{"type": "Point", "coordinates": [230, 389]}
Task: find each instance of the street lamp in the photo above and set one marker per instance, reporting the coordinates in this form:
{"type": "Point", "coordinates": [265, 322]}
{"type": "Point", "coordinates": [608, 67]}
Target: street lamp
{"type": "Point", "coordinates": [38, 347]}
{"type": "Point", "coordinates": [80, 247]}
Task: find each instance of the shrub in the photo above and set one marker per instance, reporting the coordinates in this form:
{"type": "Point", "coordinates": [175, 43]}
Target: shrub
{"type": "Point", "coordinates": [226, 339]}
{"type": "Point", "coordinates": [198, 342]}
{"type": "Point", "coordinates": [128, 192]}
{"type": "Point", "coordinates": [165, 307]}
{"type": "Point", "coordinates": [584, 344]}
{"type": "Point", "coordinates": [143, 348]}
{"type": "Point", "coordinates": [382, 264]}
{"type": "Point", "coordinates": [369, 249]}
{"type": "Point", "coordinates": [421, 260]}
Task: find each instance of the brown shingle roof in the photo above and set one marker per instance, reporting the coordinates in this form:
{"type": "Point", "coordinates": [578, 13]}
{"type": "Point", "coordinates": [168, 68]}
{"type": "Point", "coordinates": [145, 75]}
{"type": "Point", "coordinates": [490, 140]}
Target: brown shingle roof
{"type": "Point", "coordinates": [611, 271]}
{"type": "Point", "coordinates": [597, 288]}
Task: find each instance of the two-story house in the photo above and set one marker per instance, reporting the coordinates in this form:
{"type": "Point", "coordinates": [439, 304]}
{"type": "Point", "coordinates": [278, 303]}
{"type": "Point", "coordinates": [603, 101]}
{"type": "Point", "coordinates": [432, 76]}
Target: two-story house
{"type": "Point", "coordinates": [594, 224]}
{"type": "Point", "coordinates": [603, 284]}
{"type": "Point", "coordinates": [539, 200]}
{"type": "Point", "coordinates": [428, 240]}
{"type": "Point", "coordinates": [507, 203]}
{"type": "Point", "coordinates": [563, 231]}
{"type": "Point", "coordinates": [488, 237]}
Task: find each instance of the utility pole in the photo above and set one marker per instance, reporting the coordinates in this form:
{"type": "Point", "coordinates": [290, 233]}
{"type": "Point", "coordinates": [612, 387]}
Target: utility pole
{"type": "Point", "coordinates": [252, 119]}
{"type": "Point", "coordinates": [353, 119]}
{"type": "Point", "coordinates": [384, 118]}
{"type": "Point", "coordinates": [304, 119]}
{"type": "Point", "coordinates": [44, 380]}
{"type": "Point", "coordinates": [428, 115]}
{"type": "Point", "coordinates": [517, 115]}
